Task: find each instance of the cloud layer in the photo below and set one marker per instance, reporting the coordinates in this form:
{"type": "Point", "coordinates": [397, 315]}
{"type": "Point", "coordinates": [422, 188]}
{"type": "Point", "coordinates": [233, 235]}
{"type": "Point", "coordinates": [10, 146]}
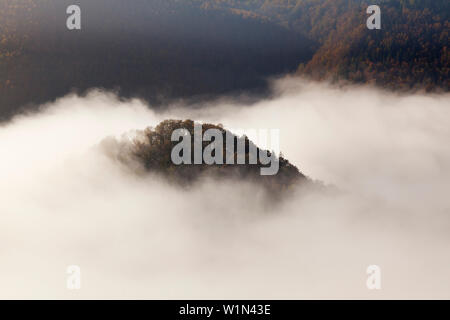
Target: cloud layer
{"type": "Point", "coordinates": [67, 202]}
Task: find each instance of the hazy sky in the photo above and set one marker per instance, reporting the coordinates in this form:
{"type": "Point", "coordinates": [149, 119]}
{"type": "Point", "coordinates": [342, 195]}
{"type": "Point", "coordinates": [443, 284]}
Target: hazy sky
{"type": "Point", "coordinates": [67, 202]}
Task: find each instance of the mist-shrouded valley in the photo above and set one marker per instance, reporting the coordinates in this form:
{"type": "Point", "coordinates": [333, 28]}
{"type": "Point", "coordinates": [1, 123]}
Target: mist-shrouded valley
{"type": "Point", "coordinates": [362, 161]}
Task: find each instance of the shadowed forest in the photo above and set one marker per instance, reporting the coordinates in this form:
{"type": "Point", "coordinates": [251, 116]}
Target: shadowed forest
{"type": "Point", "coordinates": [168, 50]}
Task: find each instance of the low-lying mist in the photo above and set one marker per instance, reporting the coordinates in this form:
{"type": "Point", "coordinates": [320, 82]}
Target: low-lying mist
{"type": "Point", "coordinates": [66, 201]}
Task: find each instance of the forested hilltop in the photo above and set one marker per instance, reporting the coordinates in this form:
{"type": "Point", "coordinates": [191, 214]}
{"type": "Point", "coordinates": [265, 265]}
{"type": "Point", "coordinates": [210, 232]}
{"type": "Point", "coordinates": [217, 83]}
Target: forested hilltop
{"type": "Point", "coordinates": [152, 148]}
{"type": "Point", "coordinates": [410, 51]}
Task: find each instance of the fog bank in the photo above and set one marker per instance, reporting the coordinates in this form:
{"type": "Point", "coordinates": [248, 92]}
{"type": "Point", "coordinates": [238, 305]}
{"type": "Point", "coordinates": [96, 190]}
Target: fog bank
{"type": "Point", "coordinates": [67, 202]}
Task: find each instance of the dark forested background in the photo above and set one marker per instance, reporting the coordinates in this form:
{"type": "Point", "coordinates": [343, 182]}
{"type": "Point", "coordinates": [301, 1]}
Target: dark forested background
{"type": "Point", "coordinates": [162, 50]}
{"type": "Point", "coordinates": [410, 51]}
